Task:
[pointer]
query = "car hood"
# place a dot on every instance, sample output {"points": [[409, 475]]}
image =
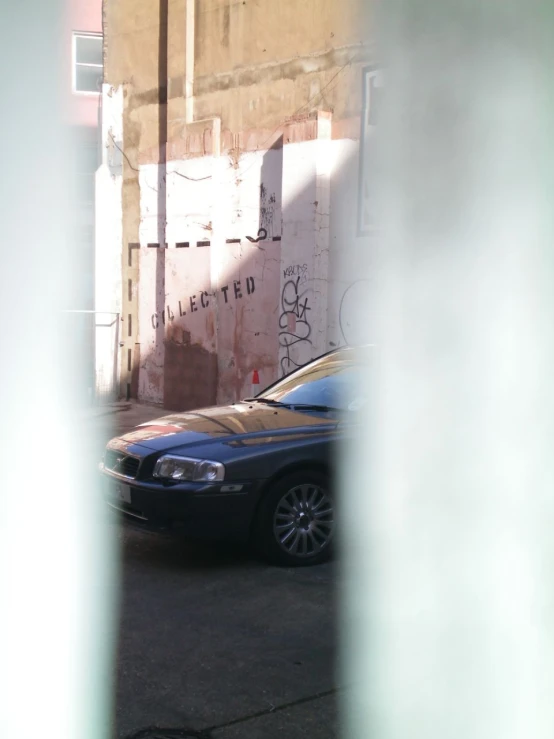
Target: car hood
{"points": [[253, 421]]}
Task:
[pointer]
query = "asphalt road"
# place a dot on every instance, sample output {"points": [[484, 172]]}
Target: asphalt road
{"points": [[215, 643]]}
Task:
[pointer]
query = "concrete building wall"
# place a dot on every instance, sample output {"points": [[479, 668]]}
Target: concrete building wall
{"points": [[230, 133]]}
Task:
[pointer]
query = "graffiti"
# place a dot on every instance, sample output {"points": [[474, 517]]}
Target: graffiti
{"points": [[296, 270], [267, 209], [351, 304], [262, 235], [201, 300], [294, 325], [268, 205]]}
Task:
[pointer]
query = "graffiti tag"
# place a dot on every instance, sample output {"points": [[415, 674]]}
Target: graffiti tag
{"points": [[296, 270], [294, 326], [268, 203], [262, 236]]}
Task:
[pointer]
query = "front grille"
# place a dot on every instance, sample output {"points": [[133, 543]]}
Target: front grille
{"points": [[121, 463]]}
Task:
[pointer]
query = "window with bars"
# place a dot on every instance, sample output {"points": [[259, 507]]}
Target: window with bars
{"points": [[87, 63]]}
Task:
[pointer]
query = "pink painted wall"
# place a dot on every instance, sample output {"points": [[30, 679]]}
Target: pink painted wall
{"points": [[215, 304], [82, 15]]}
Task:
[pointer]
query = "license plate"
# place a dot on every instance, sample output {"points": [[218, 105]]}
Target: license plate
{"points": [[121, 493]]}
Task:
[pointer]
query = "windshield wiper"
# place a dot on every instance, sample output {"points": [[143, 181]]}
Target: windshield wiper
{"points": [[267, 401], [294, 406], [313, 407]]}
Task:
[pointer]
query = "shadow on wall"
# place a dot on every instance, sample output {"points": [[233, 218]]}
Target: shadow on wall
{"points": [[271, 189], [205, 331]]}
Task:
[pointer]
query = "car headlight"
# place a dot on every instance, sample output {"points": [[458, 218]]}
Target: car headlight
{"points": [[172, 467]]}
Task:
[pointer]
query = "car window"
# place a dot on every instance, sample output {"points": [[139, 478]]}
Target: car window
{"points": [[330, 381]]}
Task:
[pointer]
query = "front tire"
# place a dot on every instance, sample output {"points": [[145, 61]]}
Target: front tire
{"points": [[295, 526]]}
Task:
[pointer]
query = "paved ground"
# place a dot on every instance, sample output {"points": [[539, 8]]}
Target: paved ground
{"points": [[214, 641]]}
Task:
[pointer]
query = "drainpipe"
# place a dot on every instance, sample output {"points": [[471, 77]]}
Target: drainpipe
{"points": [[190, 18]]}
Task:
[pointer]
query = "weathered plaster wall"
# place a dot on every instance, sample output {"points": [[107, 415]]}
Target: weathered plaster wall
{"points": [[214, 302], [255, 63], [208, 302], [229, 133]]}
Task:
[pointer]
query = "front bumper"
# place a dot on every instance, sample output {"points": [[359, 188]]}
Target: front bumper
{"points": [[205, 510]]}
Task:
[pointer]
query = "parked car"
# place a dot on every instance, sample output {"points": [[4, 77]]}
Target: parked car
{"points": [[261, 469]]}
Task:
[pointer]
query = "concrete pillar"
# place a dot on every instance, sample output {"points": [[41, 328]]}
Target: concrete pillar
{"points": [[323, 167], [305, 242], [448, 490]]}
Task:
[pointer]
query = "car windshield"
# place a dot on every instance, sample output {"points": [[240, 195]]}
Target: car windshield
{"points": [[329, 382]]}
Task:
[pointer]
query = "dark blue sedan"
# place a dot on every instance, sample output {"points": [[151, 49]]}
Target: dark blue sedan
{"points": [[258, 470]]}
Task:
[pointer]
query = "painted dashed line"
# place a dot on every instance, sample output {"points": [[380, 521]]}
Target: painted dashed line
{"points": [[131, 247], [186, 244]]}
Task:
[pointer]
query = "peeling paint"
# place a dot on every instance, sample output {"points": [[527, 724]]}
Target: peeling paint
{"points": [[221, 310]]}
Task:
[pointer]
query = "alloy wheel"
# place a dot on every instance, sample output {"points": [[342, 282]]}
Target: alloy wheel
{"points": [[303, 523]]}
